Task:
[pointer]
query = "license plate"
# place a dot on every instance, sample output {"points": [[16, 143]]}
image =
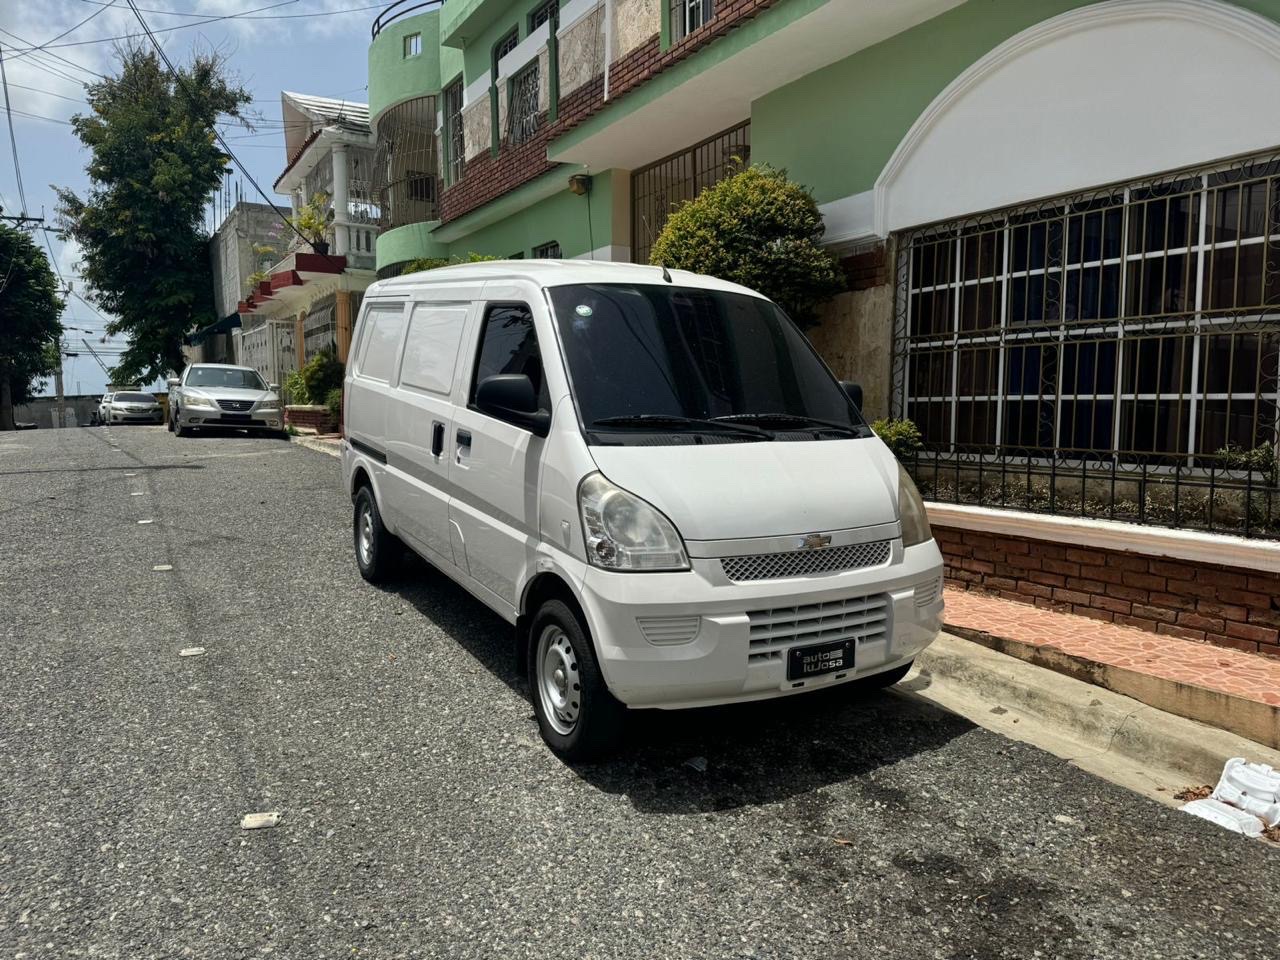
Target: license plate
{"points": [[236, 417], [806, 662]]}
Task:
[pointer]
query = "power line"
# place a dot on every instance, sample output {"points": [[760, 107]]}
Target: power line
{"points": [[72, 29], [282, 16], [220, 138], [47, 93], [13, 140], [43, 56], [32, 116]]}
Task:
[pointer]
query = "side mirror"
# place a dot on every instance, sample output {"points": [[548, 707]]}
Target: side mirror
{"points": [[511, 397], [853, 391], [273, 387], [172, 381]]}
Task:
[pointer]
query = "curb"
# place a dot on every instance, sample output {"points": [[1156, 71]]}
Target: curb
{"points": [[1250, 719], [320, 446], [1103, 731]]}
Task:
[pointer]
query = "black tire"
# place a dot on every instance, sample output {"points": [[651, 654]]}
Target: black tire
{"points": [[168, 422], [377, 563], [598, 722], [881, 681], [178, 429]]}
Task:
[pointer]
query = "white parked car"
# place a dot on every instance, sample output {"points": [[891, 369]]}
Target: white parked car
{"points": [[104, 408], [650, 474], [223, 395], [130, 407]]}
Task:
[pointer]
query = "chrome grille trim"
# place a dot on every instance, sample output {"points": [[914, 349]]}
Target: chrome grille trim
{"points": [[857, 618], [799, 563], [239, 406]]}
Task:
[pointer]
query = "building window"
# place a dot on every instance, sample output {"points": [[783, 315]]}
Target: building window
{"points": [[688, 16], [548, 12], [422, 187], [1134, 325], [455, 143], [503, 47], [659, 188], [405, 163], [522, 108], [412, 45], [547, 251]]}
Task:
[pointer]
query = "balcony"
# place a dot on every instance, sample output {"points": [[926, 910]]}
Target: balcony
{"points": [[398, 11]]}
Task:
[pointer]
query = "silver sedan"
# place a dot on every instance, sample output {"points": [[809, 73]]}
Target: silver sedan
{"points": [[131, 408], [222, 395]]}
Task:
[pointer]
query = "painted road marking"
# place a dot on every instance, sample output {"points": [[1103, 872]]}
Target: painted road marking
{"points": [[191, 652], [146, 521], [256, 821], [163, 566]]}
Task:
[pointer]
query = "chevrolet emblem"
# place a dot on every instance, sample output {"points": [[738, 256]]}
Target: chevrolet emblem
{"points": [[815, 541]]}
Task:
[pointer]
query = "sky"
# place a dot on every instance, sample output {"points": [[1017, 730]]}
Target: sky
{"points": [[307, 46]]}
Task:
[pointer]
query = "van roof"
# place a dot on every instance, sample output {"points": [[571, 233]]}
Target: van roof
{"points": [[551, 273]]}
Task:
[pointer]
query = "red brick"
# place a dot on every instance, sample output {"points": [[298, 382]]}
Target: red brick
{"points": [[1048, 579], [1227, 611], [1106, 574], [1128, 561], [1052, 605], [1173, 600], [1269, 618], [1086, 586], [1093, 613], [1245, 598], [1000, 583], [1178, 571], [1235, 643], [1064, 567], [1265, 583], [952, 584], [1144, 581], [1071, 596], [1139, 622], [977, 566], [1155, 613], [1022, 562], [1128, 593], [1222, 578], [1185, 633], [1247, 631], [1269, 649], [1016, 546], [1200, 622], [1111, 603], [1035, 589], [1094, 557]]}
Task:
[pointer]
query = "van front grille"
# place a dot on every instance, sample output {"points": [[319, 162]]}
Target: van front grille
{"points": [[857, 618], [799, 563]]}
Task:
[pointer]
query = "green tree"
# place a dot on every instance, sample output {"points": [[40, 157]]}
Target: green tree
{"points": [[153, 163], [29, 327], [761, 230]]}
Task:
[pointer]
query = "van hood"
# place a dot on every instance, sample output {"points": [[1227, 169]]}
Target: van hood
{"points": [[729, 491]]}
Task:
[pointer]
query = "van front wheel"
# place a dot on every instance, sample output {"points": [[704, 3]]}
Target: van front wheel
{"points": [[578, 717]]}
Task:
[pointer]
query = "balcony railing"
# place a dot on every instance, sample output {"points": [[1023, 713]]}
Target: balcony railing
{"points": [[398, 11]]}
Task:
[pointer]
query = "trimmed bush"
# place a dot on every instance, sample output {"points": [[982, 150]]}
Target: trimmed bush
{"points": [[761, 230], [295, 388], [333, 400], [900, 436], [322, 373]]}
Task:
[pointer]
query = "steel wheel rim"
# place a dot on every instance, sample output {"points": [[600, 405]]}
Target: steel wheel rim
{"points": [[365, 535], [558, 679]]}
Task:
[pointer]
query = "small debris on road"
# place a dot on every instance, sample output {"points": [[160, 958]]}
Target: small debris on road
{"points": [[191, 652], [697, 763], [1193, 793], [841, 842], [163, 566], [1069, 821], [259, 821], [999, 711]]}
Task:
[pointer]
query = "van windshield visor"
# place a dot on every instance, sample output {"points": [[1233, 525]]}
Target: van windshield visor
{"points": [[657, 358], [224, 377]]}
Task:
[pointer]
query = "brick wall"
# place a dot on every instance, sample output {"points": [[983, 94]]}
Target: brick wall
{"points": [[489, 176], [1226, 606], [867, 268], [310, 417]]}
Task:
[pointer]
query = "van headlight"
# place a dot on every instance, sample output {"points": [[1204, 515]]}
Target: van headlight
{"points": [[625, 533], [915, 522]]}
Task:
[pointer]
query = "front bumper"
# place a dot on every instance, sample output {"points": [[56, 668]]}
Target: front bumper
{"points": [[256, 420], [156, 416], [695, 638]]}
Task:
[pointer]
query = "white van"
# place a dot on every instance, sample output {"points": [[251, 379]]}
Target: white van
{"points": [[649, 473]]}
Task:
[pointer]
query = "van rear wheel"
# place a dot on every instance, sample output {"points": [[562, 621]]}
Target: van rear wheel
{"points": [[376, 547], [579, 718]]}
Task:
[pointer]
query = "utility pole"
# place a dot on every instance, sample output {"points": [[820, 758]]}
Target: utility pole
{"points": [[57, 382]]}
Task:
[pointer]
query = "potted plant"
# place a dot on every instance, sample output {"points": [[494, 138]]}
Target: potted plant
{"points": [[312, 222]]}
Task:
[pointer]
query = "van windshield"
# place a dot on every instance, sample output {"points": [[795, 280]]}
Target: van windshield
{"points": [[694, 363]]}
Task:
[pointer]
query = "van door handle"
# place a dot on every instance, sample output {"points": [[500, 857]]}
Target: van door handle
{"points": [[464, 439], [437, 438]]}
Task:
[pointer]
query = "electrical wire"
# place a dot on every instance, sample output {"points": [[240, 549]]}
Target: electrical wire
{"points": [[43, 56], [100, 10], [33, 116], [283, 16], [48, 93], [13, 140], [217, 135]]}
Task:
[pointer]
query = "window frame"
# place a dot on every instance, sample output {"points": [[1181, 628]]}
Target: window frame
{"points": [[542, 251], [487, 307], [411, 40], [454, 166], [552, 10]]}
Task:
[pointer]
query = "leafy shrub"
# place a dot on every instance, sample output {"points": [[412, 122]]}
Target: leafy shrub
{"points": [[432, 263], [761, 230], [322, 373], [900, 436], [1261, 459], [295, 388], [333, 400]]}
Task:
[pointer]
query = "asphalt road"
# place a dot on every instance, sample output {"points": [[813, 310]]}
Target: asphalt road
{"points": [[421, 815]]}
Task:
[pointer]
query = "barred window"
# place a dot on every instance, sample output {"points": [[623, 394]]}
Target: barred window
{"points": [[522, 108], [455, 144], [1140, 320], [688, 16], [548, 12], [503, 47], [658, 189], [547, 251]]}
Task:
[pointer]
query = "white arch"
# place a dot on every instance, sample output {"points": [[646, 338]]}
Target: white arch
{"points": [[1112, 91]]}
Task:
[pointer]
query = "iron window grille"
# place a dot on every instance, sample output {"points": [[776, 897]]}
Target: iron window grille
{"points": [[455, 142], [687, 16], [405, 164], [547, 251], [548, 12], [503, 47], [656, 190], [1114, 353], [522, 106]]}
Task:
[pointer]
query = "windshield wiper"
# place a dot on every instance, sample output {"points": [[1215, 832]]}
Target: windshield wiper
{"points": [[793, 419], [692, 424]]}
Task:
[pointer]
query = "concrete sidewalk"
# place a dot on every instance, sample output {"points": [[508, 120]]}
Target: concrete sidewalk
{"points": [[1224, 688]]}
